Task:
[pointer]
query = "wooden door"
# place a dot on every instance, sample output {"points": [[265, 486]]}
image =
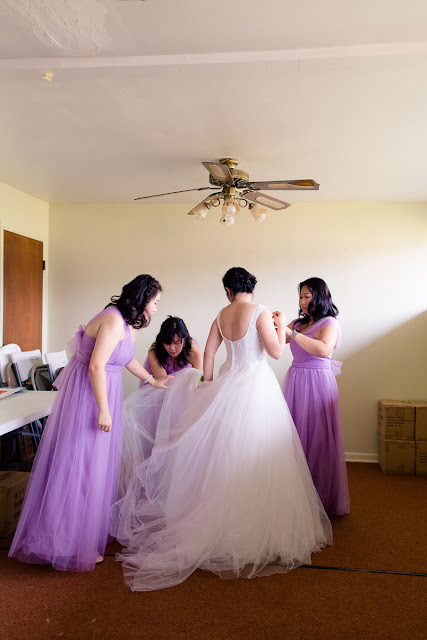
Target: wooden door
{"points": [[23, 291]]}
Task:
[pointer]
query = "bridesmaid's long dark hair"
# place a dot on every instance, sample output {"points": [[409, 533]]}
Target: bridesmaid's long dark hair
{"points": [[134, 298], [321, 304], [170, 328]]}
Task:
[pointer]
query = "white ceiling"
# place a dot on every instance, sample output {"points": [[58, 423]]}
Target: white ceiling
{"points": [[143, 91]]}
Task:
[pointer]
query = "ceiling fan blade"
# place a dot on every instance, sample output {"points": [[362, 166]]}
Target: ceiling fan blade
{"points": [[170, 193], [287, 185], [219, 171], [265, 201]]}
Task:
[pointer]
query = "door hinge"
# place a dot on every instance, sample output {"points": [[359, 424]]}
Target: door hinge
{"points": [[44, 265]]}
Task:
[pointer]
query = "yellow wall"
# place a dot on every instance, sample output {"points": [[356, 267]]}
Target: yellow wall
{"points": [[372, 255], [27, 216]]}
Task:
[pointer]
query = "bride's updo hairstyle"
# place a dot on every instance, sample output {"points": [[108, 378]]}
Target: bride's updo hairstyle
{"points": [[321, 304], [134, 298], [238, 280]]}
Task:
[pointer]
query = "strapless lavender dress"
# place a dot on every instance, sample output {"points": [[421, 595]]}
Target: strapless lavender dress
{"points": [[311, 392], [65, 516]]}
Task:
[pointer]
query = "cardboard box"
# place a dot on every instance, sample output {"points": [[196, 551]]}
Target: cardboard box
{"points": [[420, 420], [421, 458], [396, 456], [12, 490], [396, 420]]}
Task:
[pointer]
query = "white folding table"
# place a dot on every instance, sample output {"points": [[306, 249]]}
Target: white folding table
{"points": [[24, 407]]}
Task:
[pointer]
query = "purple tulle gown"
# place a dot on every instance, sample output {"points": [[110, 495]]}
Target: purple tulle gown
{"points": [[311, 392], [65, 516]]}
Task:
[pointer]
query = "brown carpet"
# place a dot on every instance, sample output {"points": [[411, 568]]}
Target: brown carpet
{"points": [[384, 532]]}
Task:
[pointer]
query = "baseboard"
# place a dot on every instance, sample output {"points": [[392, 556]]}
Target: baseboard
{"points": [[350, 456]]}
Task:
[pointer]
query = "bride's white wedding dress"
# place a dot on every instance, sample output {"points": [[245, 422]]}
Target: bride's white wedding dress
{"points": [[227, 488]]}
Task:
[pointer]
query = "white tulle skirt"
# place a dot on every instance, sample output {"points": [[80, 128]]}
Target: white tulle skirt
{"points": [[214, 477]]}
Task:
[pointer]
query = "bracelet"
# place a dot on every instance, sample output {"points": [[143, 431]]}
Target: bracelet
{"points": [[148, 378], [294, 335]]}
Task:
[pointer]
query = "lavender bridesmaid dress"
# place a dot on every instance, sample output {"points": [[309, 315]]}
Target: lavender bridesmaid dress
{"points": [[65, 516], [311, 392]]}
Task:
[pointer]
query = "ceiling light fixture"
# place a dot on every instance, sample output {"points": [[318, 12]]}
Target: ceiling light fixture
{"points": [[200, 212], [237, 190], [258, 213]]}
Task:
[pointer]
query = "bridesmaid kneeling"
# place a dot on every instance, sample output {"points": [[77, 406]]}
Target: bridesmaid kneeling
{"points": [[311, 392], [65, 516], [172, 351]]}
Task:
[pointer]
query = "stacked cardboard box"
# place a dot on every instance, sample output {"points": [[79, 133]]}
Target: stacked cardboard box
{"points": [[402, 437], [12, 490]]}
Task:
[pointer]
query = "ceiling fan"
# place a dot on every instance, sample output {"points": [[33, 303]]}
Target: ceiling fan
{"points": [[236, 191]]}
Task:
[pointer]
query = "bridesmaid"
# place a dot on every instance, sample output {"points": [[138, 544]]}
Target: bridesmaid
{"points": [[65, 517], [172, 351], [311, 392]]}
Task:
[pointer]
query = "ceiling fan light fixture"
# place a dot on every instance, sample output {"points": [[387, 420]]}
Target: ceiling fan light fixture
{"points": [[230, 207], [227, 220], [258, 213], [201, 211]]}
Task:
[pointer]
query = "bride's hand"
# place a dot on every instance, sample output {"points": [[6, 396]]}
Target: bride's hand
{"points": [[279, 319], [160, 382]]}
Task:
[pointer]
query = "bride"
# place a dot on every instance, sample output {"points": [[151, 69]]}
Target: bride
{"points": [[226, 488]]}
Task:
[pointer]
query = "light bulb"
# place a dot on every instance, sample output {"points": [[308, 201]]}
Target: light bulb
{"points": [[230, 208], [227, 220]]}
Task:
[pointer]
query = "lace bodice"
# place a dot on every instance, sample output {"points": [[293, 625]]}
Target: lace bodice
{"points": [[248, 350]]}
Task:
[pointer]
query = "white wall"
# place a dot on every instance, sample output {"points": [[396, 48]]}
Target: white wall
{"points": [[372, 255], [27, 216]]}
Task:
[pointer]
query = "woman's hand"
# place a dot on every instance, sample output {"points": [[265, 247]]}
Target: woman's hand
{"points": [[279, 319], [104, 420], [160, 383]]}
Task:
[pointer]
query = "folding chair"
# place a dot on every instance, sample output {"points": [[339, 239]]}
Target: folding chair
{"points": [[23, 363], [57, 361], [5, 352], [42, 378]]}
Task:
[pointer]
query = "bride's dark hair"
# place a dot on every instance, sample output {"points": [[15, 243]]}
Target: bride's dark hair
{"points": [[170, 328], [321, 304], [238, 280], [134, 298]]}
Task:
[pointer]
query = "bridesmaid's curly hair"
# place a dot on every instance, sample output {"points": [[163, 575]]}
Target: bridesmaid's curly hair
{"points": [[134, 298], [170, 328], [321, 304], [238, 280]]}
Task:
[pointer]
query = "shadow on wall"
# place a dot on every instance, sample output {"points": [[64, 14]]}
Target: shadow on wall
{"points": [[393, 368]]}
